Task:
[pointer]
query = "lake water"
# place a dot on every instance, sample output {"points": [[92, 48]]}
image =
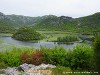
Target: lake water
{"points": [[36, 44]]}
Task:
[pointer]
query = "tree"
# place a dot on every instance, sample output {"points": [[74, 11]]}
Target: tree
{"points": [[27, 34], [96, 45]]}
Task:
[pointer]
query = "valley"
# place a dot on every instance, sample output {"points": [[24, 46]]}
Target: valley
{"points": [[63, 41]]}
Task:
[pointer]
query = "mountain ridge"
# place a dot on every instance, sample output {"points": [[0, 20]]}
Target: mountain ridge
{"points": [[85, 24]]}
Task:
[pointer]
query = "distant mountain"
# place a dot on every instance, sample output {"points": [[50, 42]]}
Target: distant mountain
{"points": [[85, 24], [51, 22], [89, 23], [6, 25], [22, 20]]}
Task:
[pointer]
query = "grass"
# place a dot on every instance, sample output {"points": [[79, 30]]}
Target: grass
{"points": [[1, 41], [60, 70], [8, 46], [5, 34], [52, 36]]}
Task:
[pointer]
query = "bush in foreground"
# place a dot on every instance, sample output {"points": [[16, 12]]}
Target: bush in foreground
{"points": [[12, 57], [35, 58], [83, 58], [96, 45], [80, 57]]}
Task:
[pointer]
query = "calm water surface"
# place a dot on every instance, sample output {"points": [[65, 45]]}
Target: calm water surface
{"points": [[36, 44]]}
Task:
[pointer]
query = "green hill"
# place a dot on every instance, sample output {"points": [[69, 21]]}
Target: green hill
{"points": [[6, 25], [87, 24], [51, 22], [84, 24], [23, 20]]}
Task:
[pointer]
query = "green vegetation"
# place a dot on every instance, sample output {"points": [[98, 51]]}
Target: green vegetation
{"points": [[6, 25], [1, 41], [59, 70], [22, 20], [87, 25], [27, 34], [12, 57], [5, 34], [56, 29], [81, 57], [68, 38], [52, 36], [96, 45]]}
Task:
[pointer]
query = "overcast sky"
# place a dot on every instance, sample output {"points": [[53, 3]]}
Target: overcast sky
{"points": [[72, 8]]}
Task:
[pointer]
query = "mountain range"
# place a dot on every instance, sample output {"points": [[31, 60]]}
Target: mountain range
{"points": [[86, 24]]}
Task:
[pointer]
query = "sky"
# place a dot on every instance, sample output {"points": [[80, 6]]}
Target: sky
{"points": [[72, 8]]}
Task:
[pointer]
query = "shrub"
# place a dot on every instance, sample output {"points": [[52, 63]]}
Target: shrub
{"points": [[82, 57], [35, 58], [3, 65], [96, 45], [25, 57], [27, 34], [68, 38], [12, 57], [54, 56]]}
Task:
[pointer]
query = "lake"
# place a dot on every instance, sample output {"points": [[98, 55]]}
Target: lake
{"points": [[10, 40]]}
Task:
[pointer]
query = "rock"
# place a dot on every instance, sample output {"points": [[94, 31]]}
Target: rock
{"points": [[32, 74], [29, 69], [11, 71], [2, 70], [51, 66], [41, 72], [24, 67], [44, 66]]}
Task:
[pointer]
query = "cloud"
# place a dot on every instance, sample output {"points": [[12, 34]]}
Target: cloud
{"points": [[74, 8]]}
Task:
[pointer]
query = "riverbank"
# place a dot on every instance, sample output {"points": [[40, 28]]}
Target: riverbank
{"points": [[6, 34]]}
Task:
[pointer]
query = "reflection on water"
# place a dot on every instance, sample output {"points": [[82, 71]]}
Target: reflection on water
{"points": [[37, 44]]}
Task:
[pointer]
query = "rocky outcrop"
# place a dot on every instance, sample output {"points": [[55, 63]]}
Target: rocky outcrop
{"points": [[2, 16], [29, 69]]}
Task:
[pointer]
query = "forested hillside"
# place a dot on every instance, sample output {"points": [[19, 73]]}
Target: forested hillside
{"points": [[85, 24], [52, 22], [23, 20], [89, 23], [6, 25]]}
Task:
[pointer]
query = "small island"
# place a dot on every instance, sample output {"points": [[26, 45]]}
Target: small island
{"points": [[27, 34]]}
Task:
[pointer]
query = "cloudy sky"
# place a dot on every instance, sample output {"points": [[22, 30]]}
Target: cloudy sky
{"points": [[73, 8]]}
